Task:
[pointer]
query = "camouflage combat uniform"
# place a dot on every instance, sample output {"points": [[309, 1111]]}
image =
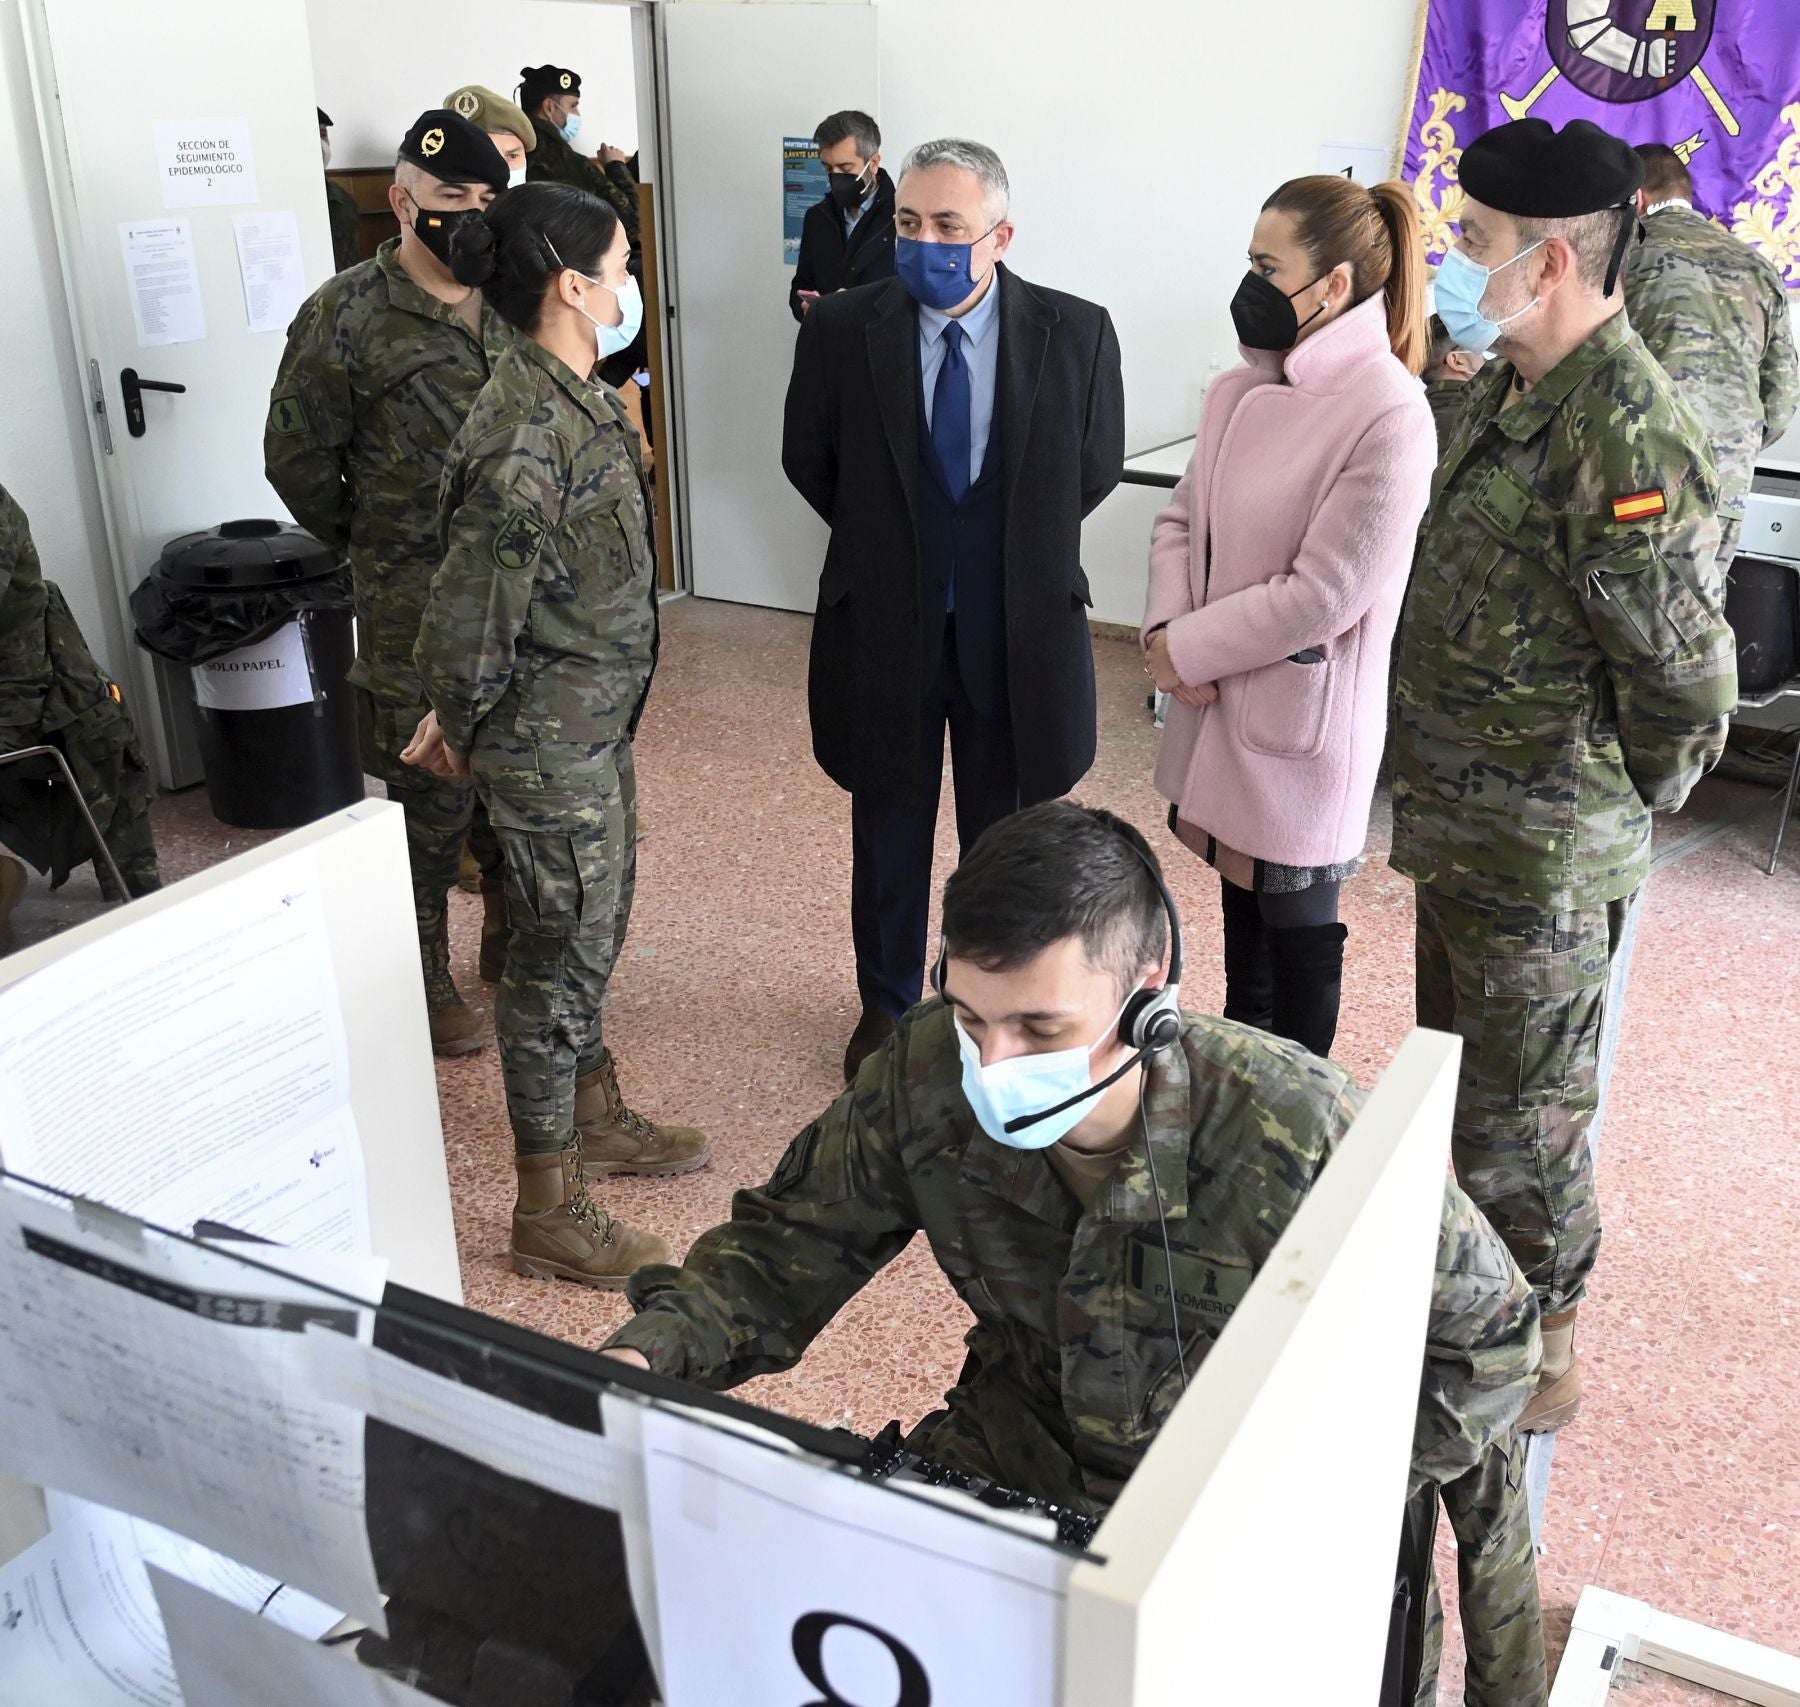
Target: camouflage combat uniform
{"points": [[553, 161], [1446, 397], [346, 226], [536, 651], [1714, 313], [1565, 671], [52, 692], [375, 381], [1071, 1365]]}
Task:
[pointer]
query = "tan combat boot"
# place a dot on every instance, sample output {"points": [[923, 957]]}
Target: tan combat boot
{"points": [[560, 1233], [468, 871], [14, 880], [456, 1028], [615, 1140], [1558, 1395], [495, 936]]}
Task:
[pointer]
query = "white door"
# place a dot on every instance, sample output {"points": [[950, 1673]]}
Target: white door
{"points": [[734, 81], [140, 106]]}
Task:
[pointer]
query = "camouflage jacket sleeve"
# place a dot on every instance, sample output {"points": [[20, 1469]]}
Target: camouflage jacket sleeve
{"points": [[620, 188], [1780, 372], [1482, 1347], [311, 416], [1653, 600], [754, 1293], [500, 497]]}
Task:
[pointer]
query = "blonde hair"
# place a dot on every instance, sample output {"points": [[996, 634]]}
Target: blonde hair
{"points": [[1377, 233]]}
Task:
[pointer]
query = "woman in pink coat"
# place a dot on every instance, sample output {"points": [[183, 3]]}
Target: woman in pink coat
{"points": [[1276, 575]]}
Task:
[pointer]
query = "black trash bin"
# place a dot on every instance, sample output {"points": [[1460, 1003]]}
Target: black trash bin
{"points": [[260, 613], [1761, 606]]}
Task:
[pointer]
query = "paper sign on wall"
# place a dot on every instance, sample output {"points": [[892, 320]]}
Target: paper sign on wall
{"points": [[164, 280], [272, 673], [268, 247], [204, 161], [803, 182], [1363, 162]]}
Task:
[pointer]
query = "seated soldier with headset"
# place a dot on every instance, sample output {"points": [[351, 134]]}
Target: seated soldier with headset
{"points": [[1092, 1167]]}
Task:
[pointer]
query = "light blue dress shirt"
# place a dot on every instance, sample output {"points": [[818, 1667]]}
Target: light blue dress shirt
{"points": [[981, 350]]}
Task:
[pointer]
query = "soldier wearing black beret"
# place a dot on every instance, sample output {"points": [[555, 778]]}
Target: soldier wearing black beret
{"points": [[340, 205], [551, 97], [382, 363], [1565, 670]]}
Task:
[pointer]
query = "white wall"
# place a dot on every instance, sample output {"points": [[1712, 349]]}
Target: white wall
{"points": [[45, 461], [1141, 138], [379, 65]]}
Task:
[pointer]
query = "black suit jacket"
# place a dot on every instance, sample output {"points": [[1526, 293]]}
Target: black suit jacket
{"points": [[850, 446], [828, 263]]}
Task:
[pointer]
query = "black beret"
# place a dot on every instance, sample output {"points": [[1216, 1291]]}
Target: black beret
{"points": [[537, 81], [324, 119], [1534, 172], [453, 151]]}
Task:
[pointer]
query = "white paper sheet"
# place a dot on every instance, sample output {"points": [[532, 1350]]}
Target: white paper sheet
{"points": [[171, 1382], [504, 1436], [274, 672], [164, 281], [194, 1066], [205, 161], [788, 1565], [268, 249], [227, 1658], [87, 1631]]}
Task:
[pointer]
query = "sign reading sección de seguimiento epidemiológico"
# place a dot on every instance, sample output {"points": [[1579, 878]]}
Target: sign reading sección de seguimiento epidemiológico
{"points": [[205, 161]]}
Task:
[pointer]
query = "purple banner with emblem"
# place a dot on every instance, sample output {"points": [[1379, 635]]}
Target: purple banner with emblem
{"points": [[1717, 80]]}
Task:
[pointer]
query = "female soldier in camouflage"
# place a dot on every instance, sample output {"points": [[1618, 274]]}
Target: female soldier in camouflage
{"points": [[536, 653]]}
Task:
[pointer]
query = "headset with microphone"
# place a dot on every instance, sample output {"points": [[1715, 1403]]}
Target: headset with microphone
{"points": [[1149, 1024], [1151, 1020]]}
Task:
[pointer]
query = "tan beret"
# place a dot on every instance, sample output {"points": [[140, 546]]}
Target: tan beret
{"points": [[489, 111]]}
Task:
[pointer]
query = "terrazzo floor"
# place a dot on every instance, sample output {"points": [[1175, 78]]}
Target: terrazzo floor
{"points": [[1679, 1483]]}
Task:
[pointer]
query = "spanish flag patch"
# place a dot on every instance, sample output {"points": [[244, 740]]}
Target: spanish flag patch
{"points": [[1640, 505]]}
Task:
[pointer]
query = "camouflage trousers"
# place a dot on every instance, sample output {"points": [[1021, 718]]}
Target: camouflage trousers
{"points": [[439, 812], [1497, 1585], [1526, 992], [565, 818]]}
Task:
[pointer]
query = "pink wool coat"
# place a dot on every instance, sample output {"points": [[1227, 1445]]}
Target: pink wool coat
{"points": [[1310, 473]]}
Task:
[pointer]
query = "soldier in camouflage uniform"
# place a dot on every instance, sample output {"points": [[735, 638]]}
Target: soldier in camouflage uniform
{"points": [[1051, 921], [382, 364], [536, 653], [340, 205], [551, 97], [53, 693], [1565, 671], [1448, 371], [1714, 313]]}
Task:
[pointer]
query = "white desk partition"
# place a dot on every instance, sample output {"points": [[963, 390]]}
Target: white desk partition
{"points": [[360, 855], [1251, 1558]]}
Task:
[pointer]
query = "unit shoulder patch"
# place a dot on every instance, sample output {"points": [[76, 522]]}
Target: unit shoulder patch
{"points": [[517, 543], [287, 416]]}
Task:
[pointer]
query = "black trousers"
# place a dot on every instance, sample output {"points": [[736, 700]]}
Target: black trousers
{"points": [[892, 839]]}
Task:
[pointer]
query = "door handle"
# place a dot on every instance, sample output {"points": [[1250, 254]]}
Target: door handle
{"points": [[133, 389]]}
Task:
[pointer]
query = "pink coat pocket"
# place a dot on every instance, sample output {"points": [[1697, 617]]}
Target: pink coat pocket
{"points": [[1285, 708]]}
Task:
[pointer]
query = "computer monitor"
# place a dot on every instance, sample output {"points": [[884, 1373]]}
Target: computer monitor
{"points": [[503, 1594]]}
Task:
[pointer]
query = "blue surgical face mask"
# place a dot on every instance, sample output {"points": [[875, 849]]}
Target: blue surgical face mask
{"points": [[631, 303], [570, 128], [1023, 1084], [939, 275], [1461, 285]]}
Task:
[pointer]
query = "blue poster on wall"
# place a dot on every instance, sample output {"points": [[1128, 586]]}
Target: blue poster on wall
{"points": [[802, 184]]}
